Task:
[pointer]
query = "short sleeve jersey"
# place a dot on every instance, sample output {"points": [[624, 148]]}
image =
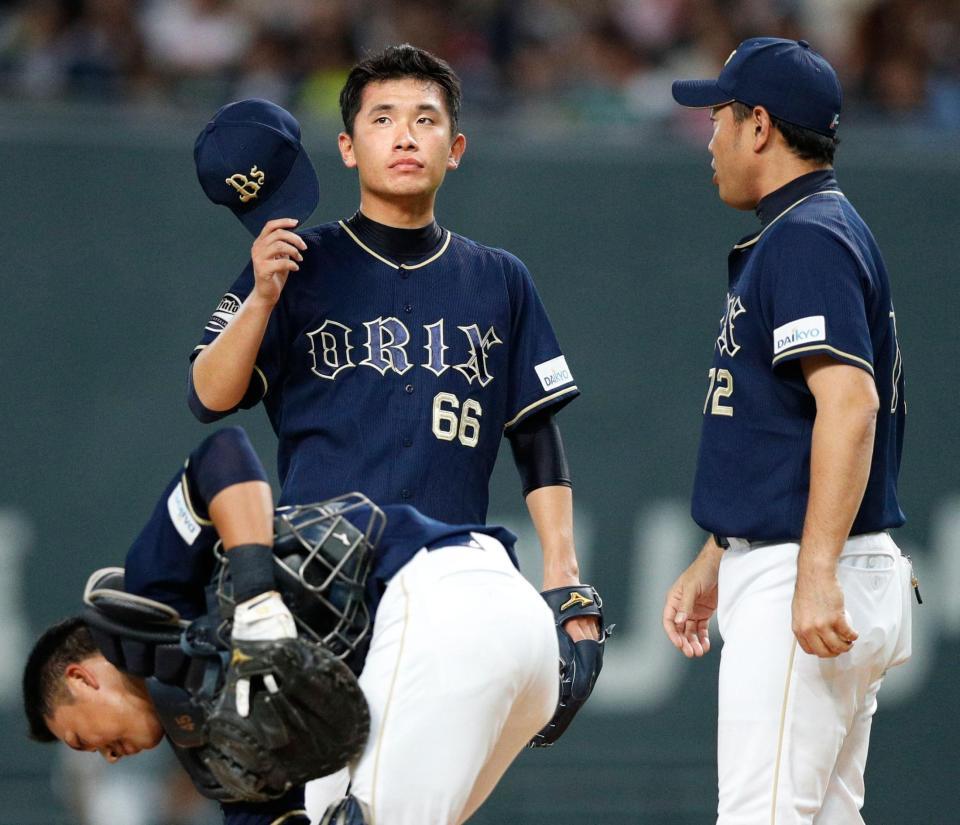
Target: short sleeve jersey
{"points": [[812, 281], [400, 379]]}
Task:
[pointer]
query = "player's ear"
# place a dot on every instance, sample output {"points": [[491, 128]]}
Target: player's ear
{"points": [[79, 675], [345, 143], [457, 148]]}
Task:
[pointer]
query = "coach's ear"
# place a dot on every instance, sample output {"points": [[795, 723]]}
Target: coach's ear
{"points": [[762, 127], [345, 143], [457, 148]]}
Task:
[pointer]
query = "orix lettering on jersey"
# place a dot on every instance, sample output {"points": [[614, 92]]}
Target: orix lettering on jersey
{"points": [[389, 346], [726, 343]]}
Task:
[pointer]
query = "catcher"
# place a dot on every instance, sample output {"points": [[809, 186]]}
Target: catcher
{"points": [[236, 632]]}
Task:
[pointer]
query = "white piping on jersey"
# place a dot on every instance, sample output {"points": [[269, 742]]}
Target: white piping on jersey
{"points": [[759, 235], [391, 264], [288, 815], [186, 496], [828, 348], [783, 719], [538, 403], [263, 378]]}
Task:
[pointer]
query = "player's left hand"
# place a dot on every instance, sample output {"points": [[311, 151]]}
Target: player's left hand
{"points": [[580, 660], [820, 623], [578, 628]]}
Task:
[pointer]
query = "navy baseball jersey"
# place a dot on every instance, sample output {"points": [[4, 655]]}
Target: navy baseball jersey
{"points": [[172, 558], [811, 282], [399, 379]]}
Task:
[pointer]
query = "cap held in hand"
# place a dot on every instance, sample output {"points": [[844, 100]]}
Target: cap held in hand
{"points": [[249, 158], [788, 78]]}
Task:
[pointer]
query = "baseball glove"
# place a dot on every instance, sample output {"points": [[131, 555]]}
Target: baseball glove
{"points": [[580, 662], [288, 712]]}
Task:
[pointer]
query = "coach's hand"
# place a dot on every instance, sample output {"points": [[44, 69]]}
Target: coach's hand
{"points": [[691, 601], [820, 623], [276, 253]]}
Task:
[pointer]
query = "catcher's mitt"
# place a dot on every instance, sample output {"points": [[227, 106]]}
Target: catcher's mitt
{"points": [[301, 715], [580, 662]]}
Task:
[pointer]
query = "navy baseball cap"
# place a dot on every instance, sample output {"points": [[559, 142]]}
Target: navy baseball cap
{"points": [[250, 159], [788, 78]]}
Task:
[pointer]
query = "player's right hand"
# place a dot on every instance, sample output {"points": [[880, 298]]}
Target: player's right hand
{"points": [[690, 602], [276, 253]]}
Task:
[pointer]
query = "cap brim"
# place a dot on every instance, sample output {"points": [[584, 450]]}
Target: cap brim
{"points": [[699, 94], [297, 197]]}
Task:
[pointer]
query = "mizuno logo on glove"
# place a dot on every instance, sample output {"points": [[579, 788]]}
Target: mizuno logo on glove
{"points": [[574, 600]]}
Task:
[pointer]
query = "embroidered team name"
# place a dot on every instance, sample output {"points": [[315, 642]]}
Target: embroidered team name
{"points": [[247, 187], [388, 347], [801, 331], [726, 343], [554, 373]]}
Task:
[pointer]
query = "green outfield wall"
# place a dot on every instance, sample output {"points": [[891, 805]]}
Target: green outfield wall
{"points": [[112, 260]]}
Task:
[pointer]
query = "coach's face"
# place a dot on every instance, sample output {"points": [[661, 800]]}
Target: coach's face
{"points": [[402, 142], [733, 159], [106, 712]]}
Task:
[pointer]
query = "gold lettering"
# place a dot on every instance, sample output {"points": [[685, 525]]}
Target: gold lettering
{"points": [[247, 188]]}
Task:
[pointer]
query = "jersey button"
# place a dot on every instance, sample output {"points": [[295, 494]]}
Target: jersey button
{"points": [[408, 389], [404, 274], [404, 493], [408, 308], [408, 442]]}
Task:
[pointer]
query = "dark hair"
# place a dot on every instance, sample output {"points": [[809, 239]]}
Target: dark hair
{"points": [[44, 688], [804, 143], [397, 62]]}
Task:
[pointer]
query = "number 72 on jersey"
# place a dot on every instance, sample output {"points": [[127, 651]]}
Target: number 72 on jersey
{"points": [[721, 388]]}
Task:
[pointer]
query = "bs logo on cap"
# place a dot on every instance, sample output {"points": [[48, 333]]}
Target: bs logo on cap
{"points": [[250, 159]]}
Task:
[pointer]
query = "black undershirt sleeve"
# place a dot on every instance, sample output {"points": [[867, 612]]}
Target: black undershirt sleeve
{"points": [[538, 453]]}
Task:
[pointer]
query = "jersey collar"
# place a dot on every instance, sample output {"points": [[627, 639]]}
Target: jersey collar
{"points": [[775, 205], [397, 248], [772, 205]]}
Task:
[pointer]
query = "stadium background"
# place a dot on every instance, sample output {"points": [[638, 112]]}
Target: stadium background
{"points": [[578, 162]]}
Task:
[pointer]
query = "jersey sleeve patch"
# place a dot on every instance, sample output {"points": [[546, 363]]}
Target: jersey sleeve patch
{"points": [[554, 373], [802, 331], [228, 307], [181, 517]]}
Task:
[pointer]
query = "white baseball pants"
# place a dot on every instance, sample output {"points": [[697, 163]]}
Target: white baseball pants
{"points": [[462, 672], [793, 729]]}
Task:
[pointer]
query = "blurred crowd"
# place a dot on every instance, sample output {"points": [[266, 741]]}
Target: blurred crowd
{"points": [[579, 61]]}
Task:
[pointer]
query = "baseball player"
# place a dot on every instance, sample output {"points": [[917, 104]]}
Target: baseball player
{"points": [[800, 450], [461, 660], [390, 353]]}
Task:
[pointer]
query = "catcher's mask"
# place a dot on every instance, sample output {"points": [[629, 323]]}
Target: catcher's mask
{"points": [[322, 560]]}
